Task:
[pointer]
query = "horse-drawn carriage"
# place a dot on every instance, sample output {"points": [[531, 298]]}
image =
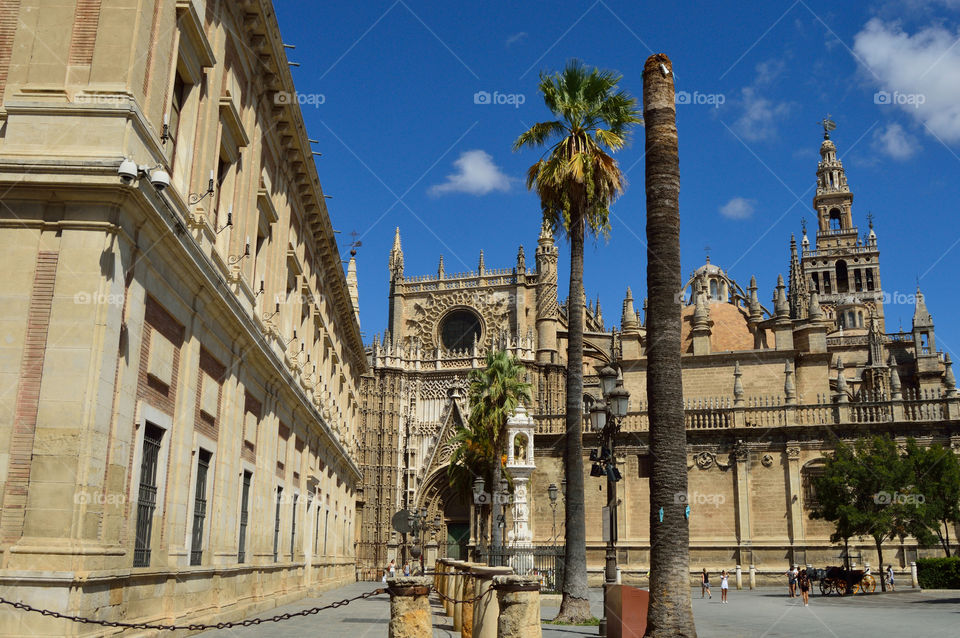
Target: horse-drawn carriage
{"points": [[837, 580]]}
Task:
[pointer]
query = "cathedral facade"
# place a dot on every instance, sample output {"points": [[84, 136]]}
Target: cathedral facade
{"points": [[768, 390]]}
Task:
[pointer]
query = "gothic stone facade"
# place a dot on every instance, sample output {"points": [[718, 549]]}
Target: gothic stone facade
{"points": [[178, 426], [767, 392]]}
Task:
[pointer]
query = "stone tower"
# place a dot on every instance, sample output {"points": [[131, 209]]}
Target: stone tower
{"points": [[547, 309], [395, 266], [842, 269]]}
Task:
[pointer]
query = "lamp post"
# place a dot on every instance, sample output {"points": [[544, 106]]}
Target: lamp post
{"points": [[552, 493], [605, 419]]}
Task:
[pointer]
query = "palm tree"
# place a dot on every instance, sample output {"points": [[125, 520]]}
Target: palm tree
{"points": [[576, 181], [669, 613], [494, 393]]}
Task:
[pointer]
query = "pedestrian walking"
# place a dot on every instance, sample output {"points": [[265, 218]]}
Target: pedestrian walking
{"points": [[803, 581], [724, 586], [406, 568], [392, 568], [705, 583], [890, 578], [792, 580]]}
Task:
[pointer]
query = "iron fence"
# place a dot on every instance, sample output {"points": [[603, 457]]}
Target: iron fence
{"points": [[542, 561]]}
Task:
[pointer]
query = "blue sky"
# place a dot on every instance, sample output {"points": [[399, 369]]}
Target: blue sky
{"points": [[389, 90]]}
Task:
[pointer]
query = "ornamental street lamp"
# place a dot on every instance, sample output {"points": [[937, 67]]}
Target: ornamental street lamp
{"points": [[605, 419]]}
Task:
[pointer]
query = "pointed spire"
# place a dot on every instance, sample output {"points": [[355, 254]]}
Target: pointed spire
{"points": [[781, 307], [797, 294], [755, 311], [701, 312], [815, 312], [921, 316], [895, 391], [841, 396], [396, 257], [352, 287], [546, 234], [599, 313], [440, 271], [480, 267], [628, 319], [737, 386], [948, 378], [789, 386]]}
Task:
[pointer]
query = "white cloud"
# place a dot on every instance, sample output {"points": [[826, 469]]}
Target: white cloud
{"points": [[516, 37], [738, 208], [476, 175], [918, 73], [895, 142], [760, 117]]}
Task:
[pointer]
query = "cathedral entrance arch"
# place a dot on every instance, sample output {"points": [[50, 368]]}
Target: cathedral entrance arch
{"points": [[438, 497]]}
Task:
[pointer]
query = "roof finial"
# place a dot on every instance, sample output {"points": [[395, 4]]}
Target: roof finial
{"points": [[828, 125]]}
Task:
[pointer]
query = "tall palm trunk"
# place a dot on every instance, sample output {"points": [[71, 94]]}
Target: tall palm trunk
{"points": [[575, 606], [670, 612]]}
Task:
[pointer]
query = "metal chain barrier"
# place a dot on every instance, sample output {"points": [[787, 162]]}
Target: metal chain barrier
{"points": [[455, 601], [195, 626]]}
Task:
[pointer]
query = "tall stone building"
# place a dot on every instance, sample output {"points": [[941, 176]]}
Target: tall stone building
{"points": [[181, 354], [768, 390]]}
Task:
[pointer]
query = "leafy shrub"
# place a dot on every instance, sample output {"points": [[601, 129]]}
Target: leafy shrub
{"points": [[939, 573]]}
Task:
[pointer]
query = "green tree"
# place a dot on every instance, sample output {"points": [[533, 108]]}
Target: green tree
{"points": [[935, 474], [494, 392], [868, 491], [576, 181], [670, 612]]}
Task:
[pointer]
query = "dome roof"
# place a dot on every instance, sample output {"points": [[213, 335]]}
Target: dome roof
{"points": [[729, 329], [828, 145]]}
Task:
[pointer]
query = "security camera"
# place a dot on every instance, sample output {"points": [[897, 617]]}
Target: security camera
{"points": [[160, 179], [128, 171]]}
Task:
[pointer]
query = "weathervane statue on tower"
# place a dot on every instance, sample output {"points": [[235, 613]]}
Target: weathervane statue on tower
{"points": [[828, 125]]}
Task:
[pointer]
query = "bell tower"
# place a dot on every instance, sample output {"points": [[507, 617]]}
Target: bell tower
{"points": [[843, 268]]}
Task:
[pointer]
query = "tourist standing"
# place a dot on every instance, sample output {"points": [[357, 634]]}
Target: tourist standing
{"points": [[724, 586], [890, 578], [406, 568], [705, 583]]}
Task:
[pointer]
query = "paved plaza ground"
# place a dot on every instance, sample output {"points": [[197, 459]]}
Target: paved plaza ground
{"points": [[766, 613]]}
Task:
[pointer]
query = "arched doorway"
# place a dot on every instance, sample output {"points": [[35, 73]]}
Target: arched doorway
{"points": [[438, 497]]}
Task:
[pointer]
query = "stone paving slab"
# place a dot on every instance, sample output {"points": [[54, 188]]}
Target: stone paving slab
{"points": [[766, 613]]}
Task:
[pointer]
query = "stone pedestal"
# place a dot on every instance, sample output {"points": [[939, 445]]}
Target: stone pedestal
{"points": [[519, 601], [914, 580], [626, 611], [486, 610], [739, 574], [753, 577], [409, 607], [430, 556]]}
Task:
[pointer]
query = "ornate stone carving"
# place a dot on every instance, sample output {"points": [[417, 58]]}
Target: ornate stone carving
{"points": [[767, 460], [740, 451], [793, 452], [704, 460], [427, 313]]}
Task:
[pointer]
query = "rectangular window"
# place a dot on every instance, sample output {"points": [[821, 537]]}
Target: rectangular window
{"points": [[199, 507], [316, 528], [293, 526], [326, 522], [276, 527], [244, 517], [177, 101], [147, 500]]}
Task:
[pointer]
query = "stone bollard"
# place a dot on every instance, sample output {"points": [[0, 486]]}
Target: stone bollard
{"points": [[466, 611], [739, 573], [410, 607], [450, 578], [753, 577], [486, 609], [914, 579], [519, 601], [458, 595]]}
